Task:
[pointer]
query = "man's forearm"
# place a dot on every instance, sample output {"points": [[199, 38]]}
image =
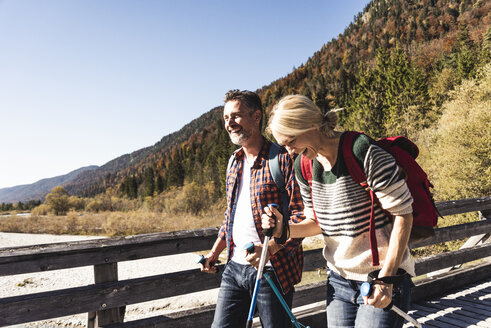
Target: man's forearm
{"points": [[217, 248]]}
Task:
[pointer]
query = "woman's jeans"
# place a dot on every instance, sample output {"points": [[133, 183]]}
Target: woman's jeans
{"points": [[235, 294], [345, 306]]}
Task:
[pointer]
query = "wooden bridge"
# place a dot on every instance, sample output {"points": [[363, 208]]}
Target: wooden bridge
{"points": [[449, 298]]}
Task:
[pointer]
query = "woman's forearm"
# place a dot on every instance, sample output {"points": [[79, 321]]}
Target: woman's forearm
{"points": [[397, 244], [306, 228]]}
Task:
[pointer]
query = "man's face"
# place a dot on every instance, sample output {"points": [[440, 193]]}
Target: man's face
{"points": [[240, 123]]}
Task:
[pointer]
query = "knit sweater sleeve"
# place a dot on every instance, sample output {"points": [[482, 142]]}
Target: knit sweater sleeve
{"points": [[383, 176]]}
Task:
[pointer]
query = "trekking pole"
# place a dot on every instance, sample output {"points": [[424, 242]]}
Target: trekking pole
{"points": [[366, 290], [282, 301], [267, 235]]}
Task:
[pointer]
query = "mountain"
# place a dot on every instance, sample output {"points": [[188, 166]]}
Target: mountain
{"points": [[93, 182], [40, 189], [433, 37]]}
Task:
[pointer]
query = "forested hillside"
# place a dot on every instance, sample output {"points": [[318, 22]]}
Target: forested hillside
{"points": [[393, 70]]}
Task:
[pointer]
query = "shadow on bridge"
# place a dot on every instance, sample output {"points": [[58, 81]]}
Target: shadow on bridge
{"points": [[468, 307]]}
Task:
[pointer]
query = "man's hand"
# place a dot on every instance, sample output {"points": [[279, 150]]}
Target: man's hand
{"points": [[268, 221], [381, 295], [209, 265], [255, 257]]}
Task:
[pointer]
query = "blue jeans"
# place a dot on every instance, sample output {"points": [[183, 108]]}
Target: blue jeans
{"points": [[235, 294], [345, 306]]}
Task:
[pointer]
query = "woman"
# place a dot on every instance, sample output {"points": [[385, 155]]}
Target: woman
{"points": [[339, 208]]}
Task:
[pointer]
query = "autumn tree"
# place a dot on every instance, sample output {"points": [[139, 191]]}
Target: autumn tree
{"points": [[58, 200]]}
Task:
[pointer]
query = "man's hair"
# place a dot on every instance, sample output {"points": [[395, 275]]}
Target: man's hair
{"points": [[248, 98]]}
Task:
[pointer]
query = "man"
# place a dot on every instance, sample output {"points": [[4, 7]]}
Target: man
{"points": [[250, 188]]}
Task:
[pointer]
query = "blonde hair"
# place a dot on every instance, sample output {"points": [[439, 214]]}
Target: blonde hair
{"points": [[296, 114]]}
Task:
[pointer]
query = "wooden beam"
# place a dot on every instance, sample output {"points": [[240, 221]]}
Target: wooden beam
{"points": [[464, 205], [101, 251], [449, 259], [438, 285], [313, 260], [199, 317], [53, 304], [459, 231]]}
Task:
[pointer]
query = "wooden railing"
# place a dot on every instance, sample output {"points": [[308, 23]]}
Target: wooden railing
{"points": [[105, 300]]}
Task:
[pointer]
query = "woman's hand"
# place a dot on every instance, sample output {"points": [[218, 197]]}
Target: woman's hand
{"points": [[381, 295], [268, 221]]}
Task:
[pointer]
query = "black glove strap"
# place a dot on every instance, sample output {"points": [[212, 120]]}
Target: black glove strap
{"points": [[389, 279], [284, 235]]}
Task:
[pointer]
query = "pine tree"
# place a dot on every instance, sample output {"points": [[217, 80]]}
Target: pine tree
{"points": [[175, 171], [486, 48], [467, 58], [148, 182], [388, 98], [160, 184]]}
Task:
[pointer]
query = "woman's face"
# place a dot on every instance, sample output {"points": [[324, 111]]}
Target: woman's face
{"points": [[302, 144]]}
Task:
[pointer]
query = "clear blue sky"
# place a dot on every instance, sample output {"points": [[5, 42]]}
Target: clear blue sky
{"points": [[83, 81]]}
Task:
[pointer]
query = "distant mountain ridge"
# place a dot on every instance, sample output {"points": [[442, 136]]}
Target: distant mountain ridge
{"points": [[39, 189]]}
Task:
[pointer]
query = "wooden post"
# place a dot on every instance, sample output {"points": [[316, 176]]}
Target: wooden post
{"points": [[104, 273]]}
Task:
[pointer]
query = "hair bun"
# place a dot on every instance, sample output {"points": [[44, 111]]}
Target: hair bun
{"points": [[329, 120]]}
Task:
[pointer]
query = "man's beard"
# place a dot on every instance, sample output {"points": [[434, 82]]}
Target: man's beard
{"points": [[239, 138]]}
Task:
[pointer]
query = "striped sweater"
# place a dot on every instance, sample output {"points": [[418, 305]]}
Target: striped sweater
{"points": [[343, 208]]}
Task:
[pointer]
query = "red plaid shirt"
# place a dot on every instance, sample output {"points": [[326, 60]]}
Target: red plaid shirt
{"points": [[287, 262]]}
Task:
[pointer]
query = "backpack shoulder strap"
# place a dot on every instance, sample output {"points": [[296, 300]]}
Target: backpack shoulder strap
{"points": [[278, 178], [306, 165], [274, 167], [230, 162], [307, 168], [359, 176]]}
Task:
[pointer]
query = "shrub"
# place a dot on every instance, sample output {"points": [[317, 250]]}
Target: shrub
{"points": [[94, 205], [58, 201], [42, 209], [456, 152]]}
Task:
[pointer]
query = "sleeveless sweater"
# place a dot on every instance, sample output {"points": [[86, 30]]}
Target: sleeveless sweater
{"points": [[343, 207]]}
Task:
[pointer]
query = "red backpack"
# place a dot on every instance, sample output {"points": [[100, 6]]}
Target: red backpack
{"points": [[404, 151]]}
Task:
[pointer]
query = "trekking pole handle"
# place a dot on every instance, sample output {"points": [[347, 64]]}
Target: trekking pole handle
{"points": [[269, 232], [249, 248], [366, 290], [200, 259]]}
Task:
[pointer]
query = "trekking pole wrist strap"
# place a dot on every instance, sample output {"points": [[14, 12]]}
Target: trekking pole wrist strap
{"points": [[373, 277], [284, 235]]}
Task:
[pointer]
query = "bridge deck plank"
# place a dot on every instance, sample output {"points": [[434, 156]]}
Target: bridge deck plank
{"points": [[467, 307]]}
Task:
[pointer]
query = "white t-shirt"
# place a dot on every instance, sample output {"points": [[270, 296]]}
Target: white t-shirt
{"points": [[244, 229]]}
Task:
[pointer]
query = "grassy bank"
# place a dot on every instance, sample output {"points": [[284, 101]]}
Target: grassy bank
{"points": [[110, 223]]}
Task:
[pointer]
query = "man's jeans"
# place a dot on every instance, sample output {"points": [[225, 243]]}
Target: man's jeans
{"points": [[235, 294], [345, 306]]}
